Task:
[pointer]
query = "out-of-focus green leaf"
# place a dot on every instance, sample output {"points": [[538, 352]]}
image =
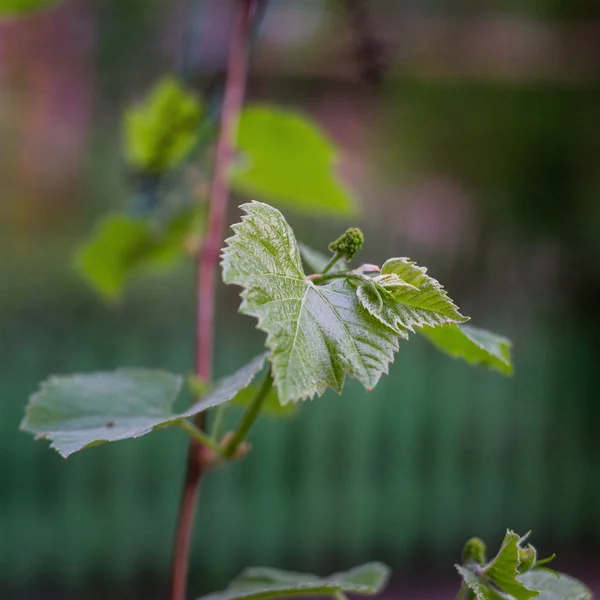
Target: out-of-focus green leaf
{"points": [[123, 246], [113, 251], [476, 346], [554, 586], [83, 410], [271, 406], [317, 261], [15, 8], [287, 159], [263, 582], [161, 130]]}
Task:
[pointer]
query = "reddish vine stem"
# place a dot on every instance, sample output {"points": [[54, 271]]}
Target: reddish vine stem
{"points": [[208, 262]]}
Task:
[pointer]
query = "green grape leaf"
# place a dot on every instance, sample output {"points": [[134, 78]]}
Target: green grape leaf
{"points": [[160, 131], [271, 406], [476, 346], [482, 589], [316, 334], [263, 582], [503, 569], [499, 577], [15, 8], [123, 246], [554, 586], [403, 297], [317, 261], [83, 410], [287, 159]]}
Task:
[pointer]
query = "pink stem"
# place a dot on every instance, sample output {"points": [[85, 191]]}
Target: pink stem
{"points": [[208, 262]]}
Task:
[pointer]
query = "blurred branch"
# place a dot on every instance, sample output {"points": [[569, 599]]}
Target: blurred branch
{"points": [[495, 48], [208, 261], [369, 51]]}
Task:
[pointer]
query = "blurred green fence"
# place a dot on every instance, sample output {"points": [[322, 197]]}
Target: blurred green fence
{"points": [[437, 453]]}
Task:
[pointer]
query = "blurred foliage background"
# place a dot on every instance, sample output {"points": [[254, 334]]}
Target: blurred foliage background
{"points": [[477, 155]]}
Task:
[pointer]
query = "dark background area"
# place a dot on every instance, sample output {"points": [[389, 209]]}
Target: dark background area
{"points": [[476, 155]]}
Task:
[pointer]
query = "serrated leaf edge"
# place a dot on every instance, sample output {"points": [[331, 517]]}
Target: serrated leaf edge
{"points": [[319, 585], [315, 390]]}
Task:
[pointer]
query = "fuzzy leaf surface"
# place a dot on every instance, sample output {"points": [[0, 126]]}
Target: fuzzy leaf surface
{"points": [[83, 410], [476, 346], [403, 297], [123, 246], [288, 159], [316, 334], [162, 129], [263, 582], [478, 584], [500, 576], [555, 586], [503, 570]]}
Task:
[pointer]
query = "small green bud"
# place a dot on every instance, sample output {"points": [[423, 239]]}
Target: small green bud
{"points": [[197, 386], [349, 243], [474, 551], [527, 558]]}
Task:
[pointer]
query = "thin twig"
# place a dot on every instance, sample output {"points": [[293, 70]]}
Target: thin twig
{"points": [[218, 421], [199, 435], [251, 414], [208, 261], [369, 50], [334, 259], [209, 255]]}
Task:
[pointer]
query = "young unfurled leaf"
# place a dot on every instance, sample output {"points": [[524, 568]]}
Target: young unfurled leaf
{"points": [[263, 582], [14, 8], [123, 246], [288, 159], [316, 334], [78, 411], [554, 586], [476, 583], [504, 568], [512, 574], [476, 346], [161, 130], [403, 297]]}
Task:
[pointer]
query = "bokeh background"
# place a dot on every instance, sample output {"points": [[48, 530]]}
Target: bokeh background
{"points": [[477, 155]]}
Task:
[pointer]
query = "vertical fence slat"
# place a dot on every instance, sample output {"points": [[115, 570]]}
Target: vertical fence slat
{"points": [[446, 500], [405, 411]]}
